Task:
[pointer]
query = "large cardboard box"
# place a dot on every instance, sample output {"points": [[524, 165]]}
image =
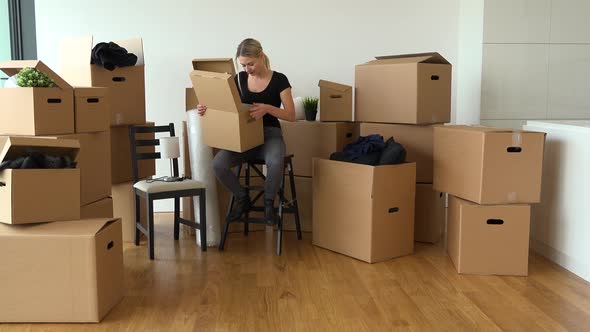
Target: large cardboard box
{"points": [[417, 140], [36, 111], [98, 209], [335, 101], [366, 212], [38, 195], [304, 192], [121, 165], [92, 110], [488, 239], [94, 162], [488, 165], [311, 139], [409, 88], [227, 123], [124, 208], [70, 271], [126, 84], [429, 223]]}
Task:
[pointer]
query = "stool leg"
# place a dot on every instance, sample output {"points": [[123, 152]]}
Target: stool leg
{"points": [[203, 220], [229, 208], [176, 217], [280, 214], [150, 225], [294, 198], [247, 215]]}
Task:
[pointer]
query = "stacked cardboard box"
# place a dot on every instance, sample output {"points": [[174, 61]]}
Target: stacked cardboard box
{"points": [[52, 225], [492, 176], [126, 107]]}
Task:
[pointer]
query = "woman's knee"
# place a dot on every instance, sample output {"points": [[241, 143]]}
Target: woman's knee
{"points": [[220, 164]]}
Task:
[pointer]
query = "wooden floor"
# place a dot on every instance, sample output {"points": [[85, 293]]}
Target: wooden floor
{"points": [[248, 288]]}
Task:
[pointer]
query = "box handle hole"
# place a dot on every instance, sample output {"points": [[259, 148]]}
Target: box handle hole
{"points": [[92, 100], [348, 135], [393, 210], [119, 79], [495, 221], [110, 245], [434, 78], [54, 100], [2, 184], [514, 149], [335, 96]]}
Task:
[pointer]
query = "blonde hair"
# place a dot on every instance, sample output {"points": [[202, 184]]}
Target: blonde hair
{"points": [[252, 48]]}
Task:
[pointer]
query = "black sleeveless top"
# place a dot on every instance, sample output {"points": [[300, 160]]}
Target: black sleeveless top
{"points": [[271, 95]]}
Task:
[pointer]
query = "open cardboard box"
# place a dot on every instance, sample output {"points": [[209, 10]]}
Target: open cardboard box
{"points": [[126, 84], [54, 193], [36, 111], [227, 123], [335, 101]]}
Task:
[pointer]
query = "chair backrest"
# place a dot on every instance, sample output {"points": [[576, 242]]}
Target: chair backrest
{"points": [[137, 144]]}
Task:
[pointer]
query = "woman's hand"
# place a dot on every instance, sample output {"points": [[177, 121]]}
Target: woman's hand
{"points": [[201, 109], [257, 111]]}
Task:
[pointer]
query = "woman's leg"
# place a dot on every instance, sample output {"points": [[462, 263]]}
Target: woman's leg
{"points": [[223, 162], [274, 158]]}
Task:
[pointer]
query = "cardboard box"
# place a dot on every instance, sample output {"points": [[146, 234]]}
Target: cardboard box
{"points": [[121, 164], [94, 162], [488, 165], [409, 88], [92, 110], [38, 195], [311, 139], [190, 99], [126, 84], [366, 212], [335, 101], [36, 111], [69, 271], [124, 208], [98, 209], [429, 224], [227, 123], [488, 239], [417, 140], [304, 192]]}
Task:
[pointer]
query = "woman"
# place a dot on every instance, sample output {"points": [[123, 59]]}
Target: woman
{"points": [[265, 89]]}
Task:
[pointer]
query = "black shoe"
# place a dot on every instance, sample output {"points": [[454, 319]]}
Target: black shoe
{"points": [[270, 216], [243, 205]]}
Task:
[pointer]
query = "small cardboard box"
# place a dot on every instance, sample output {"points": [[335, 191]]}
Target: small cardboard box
{"points": [[488, 165], [69, 271], [429, 224], [304, 192], [409, 88], [488, 239], [92, 110], [121, 164], [94, 162], [335, 101], [312, 139], [366, 212], [124, 208], [98, 209], [38, 195], [417, 140], [126, 84], [227, 123], [36, 111]]}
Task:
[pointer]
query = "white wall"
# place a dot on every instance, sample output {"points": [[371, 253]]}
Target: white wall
{"points": [[307, 40]]}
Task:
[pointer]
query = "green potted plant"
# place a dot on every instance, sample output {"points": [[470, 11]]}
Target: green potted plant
{"points": [[32, 78], [310, 105]]}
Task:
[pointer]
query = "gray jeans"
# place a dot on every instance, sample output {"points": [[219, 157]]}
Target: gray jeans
{"points": [[273, 153]]}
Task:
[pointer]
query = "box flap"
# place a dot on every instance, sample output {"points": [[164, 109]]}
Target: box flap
{"points": [[133, 45], [216, 65], [430, 57], [14, 146], [484, 129], [216, 90], [90, 92], [13, 67], [334, 85], [88, 227]]}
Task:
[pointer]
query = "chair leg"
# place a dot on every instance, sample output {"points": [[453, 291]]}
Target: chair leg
{"points": [[150, 225], [137, 215], [294, 198], [176, 217], [203, 220]]}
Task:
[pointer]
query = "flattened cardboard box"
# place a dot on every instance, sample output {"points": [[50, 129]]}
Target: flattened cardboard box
{"points": [[98, 209], [68, 271], [429, 223], [335, 101], [55, 193], [366, 212], [92, 110], [488, 239], [416, 139], [311, 139], [121, 168], [126, 84], [36, 111], [124, 208], [227, 123], [488, 165], [409, 88]]}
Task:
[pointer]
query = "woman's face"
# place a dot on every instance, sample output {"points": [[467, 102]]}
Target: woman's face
{"points": [[253, 66]]}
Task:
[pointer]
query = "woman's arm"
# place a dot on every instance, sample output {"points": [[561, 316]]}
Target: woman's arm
{"points": [[257, 111]]}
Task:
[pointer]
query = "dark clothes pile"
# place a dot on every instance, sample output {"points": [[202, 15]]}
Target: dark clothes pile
{"points": [[371, 150], [34, 159], [110, 55]]}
